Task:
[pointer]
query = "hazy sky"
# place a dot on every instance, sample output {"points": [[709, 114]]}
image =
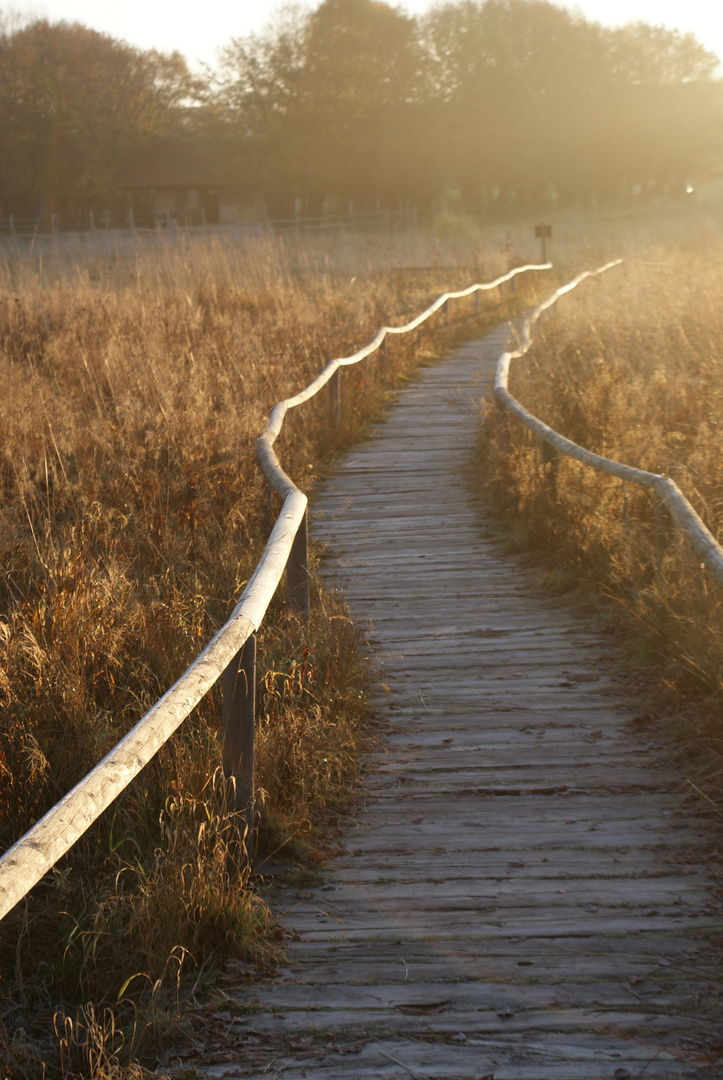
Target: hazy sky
{"points": [[198, 29]]}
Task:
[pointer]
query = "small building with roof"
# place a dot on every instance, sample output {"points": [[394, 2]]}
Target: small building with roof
{"points": [[171, 182]]}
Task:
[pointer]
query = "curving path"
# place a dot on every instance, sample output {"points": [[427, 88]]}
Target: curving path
{"points": [[522, 896]]}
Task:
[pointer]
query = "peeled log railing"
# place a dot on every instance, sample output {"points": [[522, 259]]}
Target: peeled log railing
{"points": [[230, 655], [701, 539]]}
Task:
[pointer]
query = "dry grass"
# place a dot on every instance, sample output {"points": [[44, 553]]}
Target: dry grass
{"points": [[136, 379], [630, 365]]}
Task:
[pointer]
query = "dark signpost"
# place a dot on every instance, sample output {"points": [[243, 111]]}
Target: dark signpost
{"points": [[543, 233]]}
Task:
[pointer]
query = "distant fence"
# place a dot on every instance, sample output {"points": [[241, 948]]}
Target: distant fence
{"points": [[702, 541], [229, 656], [390, 221], [51, 224], [374, 221]]}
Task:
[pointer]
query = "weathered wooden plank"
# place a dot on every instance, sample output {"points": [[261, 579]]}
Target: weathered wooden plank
{"points": [[462, 996], [571, 971], [648, 948], [476, 1022], [383, 1058], [585, 867], [549, 834], [442, 893], [524, 809]]}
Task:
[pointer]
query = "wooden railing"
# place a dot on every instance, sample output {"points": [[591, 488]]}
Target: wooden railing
{"points": [[702, 541], [230, 655]]}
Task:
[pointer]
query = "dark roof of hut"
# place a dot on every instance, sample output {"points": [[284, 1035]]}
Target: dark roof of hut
{"points": [[166, 164]]}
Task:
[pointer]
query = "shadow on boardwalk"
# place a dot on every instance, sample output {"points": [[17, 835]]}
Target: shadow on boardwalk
{"points": [[522, 897]]}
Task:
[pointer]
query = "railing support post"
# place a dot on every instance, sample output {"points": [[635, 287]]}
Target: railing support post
{"points": [[297, 571], [238, 684], [550, 464], [380, 358], [335, 400], [476, 303], [659, 535]]}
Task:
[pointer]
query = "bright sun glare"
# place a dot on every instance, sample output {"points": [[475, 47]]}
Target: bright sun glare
{"points": [[168, 26]]}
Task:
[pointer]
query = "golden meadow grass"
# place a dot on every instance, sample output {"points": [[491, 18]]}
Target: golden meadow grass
{"points": [[630, 365], [136, 376]]}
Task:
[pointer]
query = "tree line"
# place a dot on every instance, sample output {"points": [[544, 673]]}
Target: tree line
{"points": [[491, 105], [72, 104]]}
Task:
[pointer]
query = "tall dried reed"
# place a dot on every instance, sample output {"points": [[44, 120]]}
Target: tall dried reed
{"points": [[136, 376]]}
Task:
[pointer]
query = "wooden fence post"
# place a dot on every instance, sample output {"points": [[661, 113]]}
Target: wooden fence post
{"points": [[297, 571], [380, 358], [550, 464], [335, 400], [238, 684], [660, 534]]}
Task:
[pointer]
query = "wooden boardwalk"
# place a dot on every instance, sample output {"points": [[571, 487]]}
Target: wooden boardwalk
{"points": [[523, 895]]}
